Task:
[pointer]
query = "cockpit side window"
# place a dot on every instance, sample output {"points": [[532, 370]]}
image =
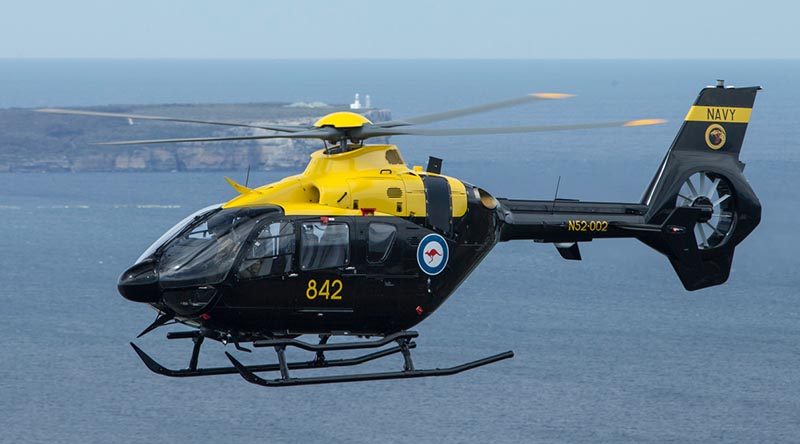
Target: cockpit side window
{"points": [[270, 253], [323, 245], [199, 232], [206, 251], [380, 238]]}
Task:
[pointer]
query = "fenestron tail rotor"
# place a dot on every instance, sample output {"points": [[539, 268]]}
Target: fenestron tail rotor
{"points": [[344, 127], [714, 191]]}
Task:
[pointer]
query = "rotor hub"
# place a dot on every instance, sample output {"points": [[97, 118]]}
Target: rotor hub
{"points": [[342, 119], [704, 203]]}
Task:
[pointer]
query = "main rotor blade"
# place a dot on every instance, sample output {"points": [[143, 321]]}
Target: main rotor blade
{"points": [[374, 131], [282, 128], [320, 133], [447, 115]]}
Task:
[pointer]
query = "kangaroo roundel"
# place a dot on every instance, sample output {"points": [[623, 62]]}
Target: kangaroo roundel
{"points": [[432, 254]]}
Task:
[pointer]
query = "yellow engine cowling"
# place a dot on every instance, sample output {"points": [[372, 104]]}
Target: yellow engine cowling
{"points": [[371, 177]]}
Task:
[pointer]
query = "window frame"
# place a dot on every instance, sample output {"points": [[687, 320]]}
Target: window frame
{"points": [[277, 248], [388, 251], [254, 238], [299, 231]]}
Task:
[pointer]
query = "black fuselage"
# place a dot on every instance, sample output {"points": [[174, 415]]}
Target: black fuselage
{"points": [[368, 290]]}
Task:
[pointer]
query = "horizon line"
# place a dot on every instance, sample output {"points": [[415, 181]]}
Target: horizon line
{"points": [[378, 59]]}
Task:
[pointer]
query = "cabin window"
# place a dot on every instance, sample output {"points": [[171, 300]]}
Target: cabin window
{"points": [[270, 253], [380, 238], [323, 245]]}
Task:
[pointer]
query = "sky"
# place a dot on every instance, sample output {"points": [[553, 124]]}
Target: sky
{"points": [[398, 29]]}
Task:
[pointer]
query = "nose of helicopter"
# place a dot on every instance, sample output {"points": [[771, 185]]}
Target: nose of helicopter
{"points": [[139, 283]]}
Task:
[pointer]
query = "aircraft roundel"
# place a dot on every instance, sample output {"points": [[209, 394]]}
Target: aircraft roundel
{"points": [[715, 136], [432, 254]]}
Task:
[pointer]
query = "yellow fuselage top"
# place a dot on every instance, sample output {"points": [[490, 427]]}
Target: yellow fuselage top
{"points": [[342, 184]]}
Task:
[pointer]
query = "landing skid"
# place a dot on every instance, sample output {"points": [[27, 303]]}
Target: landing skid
{"points": [[248, 372]]}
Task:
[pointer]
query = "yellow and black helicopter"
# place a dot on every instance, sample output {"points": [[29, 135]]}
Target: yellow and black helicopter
{"points": [[361, 245]]}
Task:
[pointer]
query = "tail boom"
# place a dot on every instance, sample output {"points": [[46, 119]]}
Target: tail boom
{"points": [[696, 210], [568, 220]]}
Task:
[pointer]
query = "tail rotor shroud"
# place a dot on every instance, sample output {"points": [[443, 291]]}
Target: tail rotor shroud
{"points": [[708, 189]]}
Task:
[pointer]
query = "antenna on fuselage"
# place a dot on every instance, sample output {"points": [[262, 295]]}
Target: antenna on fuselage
{"points": [[247, 177], [555, 197]]}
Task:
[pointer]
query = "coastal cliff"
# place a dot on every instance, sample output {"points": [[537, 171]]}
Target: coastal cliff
{"points": [[36, 142]]}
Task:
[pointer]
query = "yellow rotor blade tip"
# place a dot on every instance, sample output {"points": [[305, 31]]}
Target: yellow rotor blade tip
{"points": [[552, 96], [645, 122]]}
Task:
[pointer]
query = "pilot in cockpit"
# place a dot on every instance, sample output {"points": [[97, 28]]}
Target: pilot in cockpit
{"points": [[221, 232]]}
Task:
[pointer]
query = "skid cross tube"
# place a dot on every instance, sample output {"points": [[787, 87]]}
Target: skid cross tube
{"points": [[198, 341], [184, 334], [324, 346]]}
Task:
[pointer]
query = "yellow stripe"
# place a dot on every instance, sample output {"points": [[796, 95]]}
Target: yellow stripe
{"points": [[718, 114]]}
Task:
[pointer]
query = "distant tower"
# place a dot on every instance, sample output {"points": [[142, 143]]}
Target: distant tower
{"points": [[356, 104], [367, 102]]}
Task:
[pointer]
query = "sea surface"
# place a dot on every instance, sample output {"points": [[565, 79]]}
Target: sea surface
{"points": [[610, 349]]}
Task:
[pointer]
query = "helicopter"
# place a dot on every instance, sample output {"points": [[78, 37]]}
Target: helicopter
{"points": [[361, 246]]}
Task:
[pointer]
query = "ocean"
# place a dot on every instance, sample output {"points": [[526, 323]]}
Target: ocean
{"points": [[610, 349]]}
